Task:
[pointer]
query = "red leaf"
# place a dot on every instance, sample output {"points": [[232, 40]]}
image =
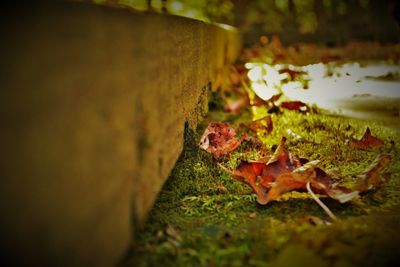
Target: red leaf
{"points": [[274, 98], [283, 173], [320, 182], [247, 172], [275, 175], [290, 181], [281, 154], [281, 162], [219, 139], [257, 167], [294, 105], [367, 141], [270, 102]]}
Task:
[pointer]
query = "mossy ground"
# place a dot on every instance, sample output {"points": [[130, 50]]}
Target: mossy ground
{"points": [[203, 217]]}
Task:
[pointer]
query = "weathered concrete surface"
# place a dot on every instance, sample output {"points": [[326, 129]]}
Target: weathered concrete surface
{"points": [[93, 105]]}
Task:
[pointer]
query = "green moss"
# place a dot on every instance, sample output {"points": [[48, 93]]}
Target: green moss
{"points": [[218, 222]]}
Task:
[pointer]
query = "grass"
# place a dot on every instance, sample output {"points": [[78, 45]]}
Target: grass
{"points": [[203, 217]]}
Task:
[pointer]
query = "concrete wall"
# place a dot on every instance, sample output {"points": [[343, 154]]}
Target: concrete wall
{"points": [[93, 103]]}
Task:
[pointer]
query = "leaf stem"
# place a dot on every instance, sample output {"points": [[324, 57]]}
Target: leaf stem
{"points": [[320, 203]]}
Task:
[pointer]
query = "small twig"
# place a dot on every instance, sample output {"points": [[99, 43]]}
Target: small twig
{"points": [[320, 203]]}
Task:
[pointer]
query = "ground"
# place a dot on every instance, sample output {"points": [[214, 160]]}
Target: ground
{"points": [[203, 217]]}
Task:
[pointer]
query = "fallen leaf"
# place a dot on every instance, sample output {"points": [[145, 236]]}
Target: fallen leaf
{"points": [[263, 125], [341, 193], [219, 139], [322, 184], [294, 105], [261, 176], [247, 172], [270, 102], [367, 141], [281, 154], [284, 172], [290, 181], [373, 176], [281, 162], [274, 98]]}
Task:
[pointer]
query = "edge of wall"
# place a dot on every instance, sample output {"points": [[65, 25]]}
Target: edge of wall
{"points": [[93, 106]]}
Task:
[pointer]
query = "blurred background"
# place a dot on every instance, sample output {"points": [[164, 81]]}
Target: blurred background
{"points": [[330, 22]]}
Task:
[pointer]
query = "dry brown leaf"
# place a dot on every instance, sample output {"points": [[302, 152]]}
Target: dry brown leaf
{"points": [[373, 176], [283, 173], [263, 125], [247, 172], [322, 184], [367, 141], [290, 181], [294, 105]]}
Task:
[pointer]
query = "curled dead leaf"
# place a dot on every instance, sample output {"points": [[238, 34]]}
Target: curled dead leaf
{"points": [[248, 172], [322, 184], [284, 172], [290, 181], [281, 154], [219, 139]]}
